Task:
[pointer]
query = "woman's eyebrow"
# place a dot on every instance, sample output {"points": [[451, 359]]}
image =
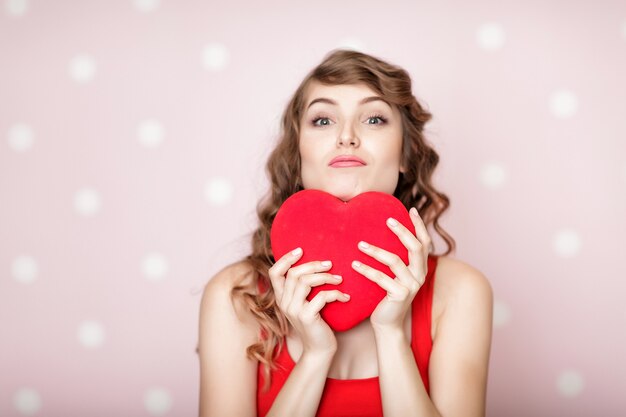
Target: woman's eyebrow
{"points": [[334, 103]]}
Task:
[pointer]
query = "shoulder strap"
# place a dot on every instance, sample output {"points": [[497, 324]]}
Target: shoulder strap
{"points": [[421, 321]]}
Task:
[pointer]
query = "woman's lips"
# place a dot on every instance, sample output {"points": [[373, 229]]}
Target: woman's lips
{"points": [[345, 161]]}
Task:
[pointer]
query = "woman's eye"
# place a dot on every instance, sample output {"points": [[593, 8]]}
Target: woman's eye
{"points": [[378, 120], [325, 121]]}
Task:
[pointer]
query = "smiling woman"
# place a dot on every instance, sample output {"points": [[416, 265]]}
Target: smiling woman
{"points": [[352, 127]]}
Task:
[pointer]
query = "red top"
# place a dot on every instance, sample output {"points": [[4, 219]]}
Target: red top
{"points": [[359, 397]]}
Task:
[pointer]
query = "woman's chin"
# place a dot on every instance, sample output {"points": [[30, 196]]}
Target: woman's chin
{"points": [[344, 195]]}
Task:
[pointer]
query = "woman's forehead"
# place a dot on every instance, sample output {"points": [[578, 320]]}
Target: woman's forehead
{"points": [[350, 93], [318, 88]]}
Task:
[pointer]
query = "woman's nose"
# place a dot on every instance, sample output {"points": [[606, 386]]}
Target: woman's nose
{"points": [[348, 137]]}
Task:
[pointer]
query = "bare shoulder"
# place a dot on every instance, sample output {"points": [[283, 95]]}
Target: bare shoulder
{"points": [[454, 275], [216, 297], [459, 285], [237, 273]]}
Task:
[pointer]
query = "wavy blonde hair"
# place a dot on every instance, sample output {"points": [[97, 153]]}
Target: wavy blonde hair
{"points": [[414, 187]]}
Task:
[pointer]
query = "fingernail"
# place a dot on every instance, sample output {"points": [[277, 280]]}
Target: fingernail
{"points": [[392, 222], [364, 245], [297, 251], [347, 296], [413, 211], [337, 277], [326, 263], [356, 264]]}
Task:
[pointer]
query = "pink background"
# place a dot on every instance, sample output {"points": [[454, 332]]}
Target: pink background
{"points": [[134, 135]]}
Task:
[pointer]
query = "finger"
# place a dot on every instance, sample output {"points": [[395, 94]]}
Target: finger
{"points": [[310, 268], [417, 255], [393, 261], [303, 288], [393, 287], [293, 275], [313, 307], [407, 237], [279, 269], [420, 229]]}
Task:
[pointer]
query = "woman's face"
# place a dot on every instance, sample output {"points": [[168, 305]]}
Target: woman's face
{"points": [[350, 141]]}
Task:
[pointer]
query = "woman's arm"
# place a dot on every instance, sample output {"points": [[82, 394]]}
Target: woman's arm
{"points": [[459, 359], [302, 392], [228, 379]]}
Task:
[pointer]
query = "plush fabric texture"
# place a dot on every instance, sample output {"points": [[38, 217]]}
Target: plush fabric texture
{"points": [[327, 228]]}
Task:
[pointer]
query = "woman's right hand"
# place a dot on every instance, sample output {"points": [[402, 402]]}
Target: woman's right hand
{"points": [[292, 286]]}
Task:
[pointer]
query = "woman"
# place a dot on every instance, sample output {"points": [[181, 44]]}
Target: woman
{"points": [[352, 126]]}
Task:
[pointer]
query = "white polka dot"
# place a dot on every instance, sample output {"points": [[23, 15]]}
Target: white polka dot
{"points": [[146, 5], [24, 269], [501, 314], [27, 401], [16, 8], [493, 175], [490, 36], [82, 68], [20, 137], [215, 56], [150, 133], [352, 43], [218, 191], [567, 243], [87, 202], [570, 383], [90, 334], [158, 401], [563, 104], [154, 266]]}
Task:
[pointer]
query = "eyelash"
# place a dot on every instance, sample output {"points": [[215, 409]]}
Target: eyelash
{"points": [[383, 120]]}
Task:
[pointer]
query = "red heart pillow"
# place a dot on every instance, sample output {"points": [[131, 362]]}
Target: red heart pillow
{"points": [[327, 228]]}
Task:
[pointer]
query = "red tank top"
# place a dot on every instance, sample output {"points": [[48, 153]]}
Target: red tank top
{"points": [[359, 397]]}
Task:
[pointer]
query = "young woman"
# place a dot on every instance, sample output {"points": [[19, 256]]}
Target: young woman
{"points": [[352, 126]]}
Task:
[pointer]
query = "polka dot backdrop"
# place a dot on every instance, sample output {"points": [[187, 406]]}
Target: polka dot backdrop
{"points": [[134, 138]]}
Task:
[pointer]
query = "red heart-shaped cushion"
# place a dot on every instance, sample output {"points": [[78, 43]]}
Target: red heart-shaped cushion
{"points": [[327, 228]]}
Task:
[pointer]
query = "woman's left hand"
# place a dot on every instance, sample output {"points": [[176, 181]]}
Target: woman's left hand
{"points": [[391, 311]]}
